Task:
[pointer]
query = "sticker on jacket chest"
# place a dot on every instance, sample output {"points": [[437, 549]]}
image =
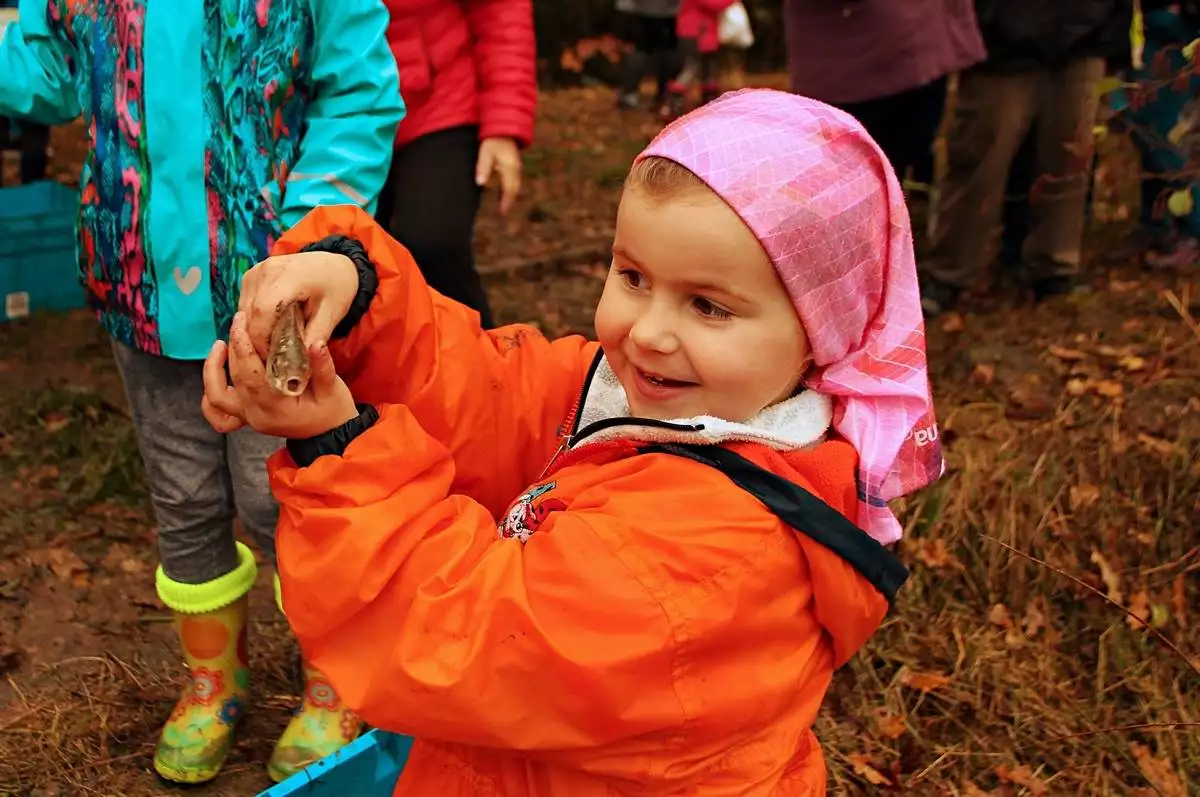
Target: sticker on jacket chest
{"points": [[529, 512]]}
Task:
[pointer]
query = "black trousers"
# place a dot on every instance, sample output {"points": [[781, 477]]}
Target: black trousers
{"points": [[905, 125], [655, 46], [429, 203], [31, 140]]}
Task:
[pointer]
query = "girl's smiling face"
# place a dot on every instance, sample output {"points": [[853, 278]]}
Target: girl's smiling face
{"points": [[694, 319]]}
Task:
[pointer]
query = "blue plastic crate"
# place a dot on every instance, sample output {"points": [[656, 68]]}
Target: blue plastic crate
{"points": [[367, 767], [38, 263]]}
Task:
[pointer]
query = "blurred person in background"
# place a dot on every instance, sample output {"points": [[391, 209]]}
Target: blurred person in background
{"points": [[696, 25], [884, 62], [1045, 61], [1152, 111], [655, 49], [468, 71]]}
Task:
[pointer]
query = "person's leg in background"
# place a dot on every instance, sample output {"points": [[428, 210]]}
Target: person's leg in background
{"points": [[690, 70], [433, 203], [992, 116], [665, 58], [1014, 218], [1065, 147], [904, 125], [710, 77], [633, 68]]}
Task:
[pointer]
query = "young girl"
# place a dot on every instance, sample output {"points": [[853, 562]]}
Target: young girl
{"points": [[213, 127], [696, 25], [571, 569]]}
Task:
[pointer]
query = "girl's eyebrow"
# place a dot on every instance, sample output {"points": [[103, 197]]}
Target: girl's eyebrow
{"points": [[711, 287], [624, 254], [694, 285]]}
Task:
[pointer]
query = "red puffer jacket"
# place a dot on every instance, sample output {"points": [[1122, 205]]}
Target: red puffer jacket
{"points": [[697, 19], [465, 62]]}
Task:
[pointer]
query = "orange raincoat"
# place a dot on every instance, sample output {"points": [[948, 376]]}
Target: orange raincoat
{"points": [[638, 624]]}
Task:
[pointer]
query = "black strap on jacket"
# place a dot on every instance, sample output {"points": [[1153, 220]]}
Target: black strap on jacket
{"points": [[803, 511]]}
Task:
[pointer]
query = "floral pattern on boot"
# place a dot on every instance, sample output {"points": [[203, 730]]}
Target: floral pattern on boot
{"points": [[199, 733], [322, 725]]}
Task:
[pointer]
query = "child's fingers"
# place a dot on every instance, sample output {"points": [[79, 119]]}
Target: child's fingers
{"points": [[484, 165], [245, 367], [510, 185], [219, 420], [217, 392], [319, 326], [322, 374]]}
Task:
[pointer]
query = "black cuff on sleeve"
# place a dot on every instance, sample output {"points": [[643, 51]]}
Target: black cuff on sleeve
{"points": [[368, 278], [305, 451]]}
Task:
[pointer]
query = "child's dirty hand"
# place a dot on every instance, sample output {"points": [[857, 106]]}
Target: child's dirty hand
{"points": [[322, 283], [250, 401]]}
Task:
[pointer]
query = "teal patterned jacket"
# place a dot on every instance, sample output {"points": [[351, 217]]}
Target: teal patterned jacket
{"points": [[214, 125]]}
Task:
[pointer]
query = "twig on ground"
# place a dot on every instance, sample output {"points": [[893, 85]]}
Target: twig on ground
{"points": [[1075, 579]]}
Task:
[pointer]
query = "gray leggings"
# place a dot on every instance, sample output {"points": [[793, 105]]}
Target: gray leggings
{"points": [[198, 479]]}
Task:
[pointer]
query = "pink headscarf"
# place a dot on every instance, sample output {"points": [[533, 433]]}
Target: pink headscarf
{"points": [[825, 204]]}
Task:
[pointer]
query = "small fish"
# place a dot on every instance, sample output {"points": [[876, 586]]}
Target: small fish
{"points": [[287, 359]]}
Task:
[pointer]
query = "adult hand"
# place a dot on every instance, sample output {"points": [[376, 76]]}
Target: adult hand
{"points": [[503, 156]]}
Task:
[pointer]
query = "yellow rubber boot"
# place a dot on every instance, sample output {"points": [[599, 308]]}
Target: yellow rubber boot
{"points": [[322, 725], [210, 619]]}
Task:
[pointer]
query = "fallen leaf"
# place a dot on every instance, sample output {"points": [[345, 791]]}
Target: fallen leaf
{"points": [[999, 616], [934, 554], [952, 322], [1160, 615], [983, 373], [1082, 495], [1179, 601], [1158, 771], [863, 767], [65, 564], [892, 726], [969, 789], [1035, 619], [1109, 389], [1163, 448], [924, 681], [1139, 608], [55, 422], [1077, 387], [8, 588], [1132, 325], [1110, 579], [1132, 362], [569, 61], [120, 557], [1021, 776], [1067, 355]]}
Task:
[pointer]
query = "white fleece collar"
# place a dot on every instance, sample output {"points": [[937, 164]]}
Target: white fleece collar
{"points": [[798, 422]]}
